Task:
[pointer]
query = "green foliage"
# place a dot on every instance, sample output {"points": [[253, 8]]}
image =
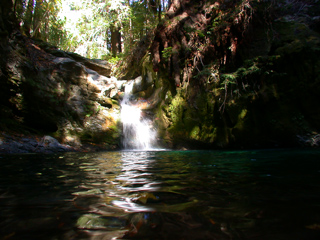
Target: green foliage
{"points": [[85, 27], [90, 29], [208, 72], [200, 34], [217, 22], [113, 60], [188, 29], [246, 81], [167, 53], [228, 79]]}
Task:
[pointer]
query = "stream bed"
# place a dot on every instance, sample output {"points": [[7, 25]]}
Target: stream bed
{"points": [[157, 195]]}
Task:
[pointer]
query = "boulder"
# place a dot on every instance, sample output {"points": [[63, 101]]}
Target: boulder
{"points": [[55, 93], [142, 83], [27, 144]]}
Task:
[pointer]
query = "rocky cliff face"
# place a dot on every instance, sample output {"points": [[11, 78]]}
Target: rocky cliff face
{"points": [[241, 75], [46, 91]]}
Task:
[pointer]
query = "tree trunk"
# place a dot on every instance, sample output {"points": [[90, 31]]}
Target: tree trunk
{"points": [[8, 20], [28, 18], [174, 6], [159, 10], [18, 9], [152, 5], [38, 14], [115, 41]]}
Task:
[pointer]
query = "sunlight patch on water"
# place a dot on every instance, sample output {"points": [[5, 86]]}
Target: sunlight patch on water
{"points": [[135, 177], [130, 206]]}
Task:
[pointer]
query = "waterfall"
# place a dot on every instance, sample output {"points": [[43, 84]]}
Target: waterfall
{"points": [[137, 129]]}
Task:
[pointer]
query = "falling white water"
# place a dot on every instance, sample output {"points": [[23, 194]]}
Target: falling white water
{"points": [[137, 130]]}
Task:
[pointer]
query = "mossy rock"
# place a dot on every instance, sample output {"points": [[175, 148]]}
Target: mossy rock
{"points": [[94, 221]]}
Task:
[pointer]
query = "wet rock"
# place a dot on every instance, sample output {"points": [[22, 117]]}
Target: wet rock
{"points": [[141, 84], [120, 84], [114, 93], [46, 144], [102, 67], [93, 221], [105, 102], [61, 93], [166, 225]]}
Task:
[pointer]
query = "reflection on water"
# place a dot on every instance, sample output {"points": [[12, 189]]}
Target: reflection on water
{"points": [[135, 177], [161, 195]]}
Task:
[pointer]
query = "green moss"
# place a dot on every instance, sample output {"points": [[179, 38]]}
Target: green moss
{"points": [[264, 97], [176, 109], [194, 134], [240, 124]]}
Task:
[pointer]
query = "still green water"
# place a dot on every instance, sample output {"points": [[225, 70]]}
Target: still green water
{"points": [[260, 194]]}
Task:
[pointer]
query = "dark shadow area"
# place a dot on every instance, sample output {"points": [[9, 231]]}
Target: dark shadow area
{"points": [[191, 195], [39, 196]]}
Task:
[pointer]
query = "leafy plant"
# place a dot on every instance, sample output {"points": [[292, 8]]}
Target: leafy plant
{"points": [[114, 60], [228, 79], [167, 53]]}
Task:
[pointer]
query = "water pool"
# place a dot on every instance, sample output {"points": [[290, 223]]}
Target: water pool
{"points": [[258, 194]]}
